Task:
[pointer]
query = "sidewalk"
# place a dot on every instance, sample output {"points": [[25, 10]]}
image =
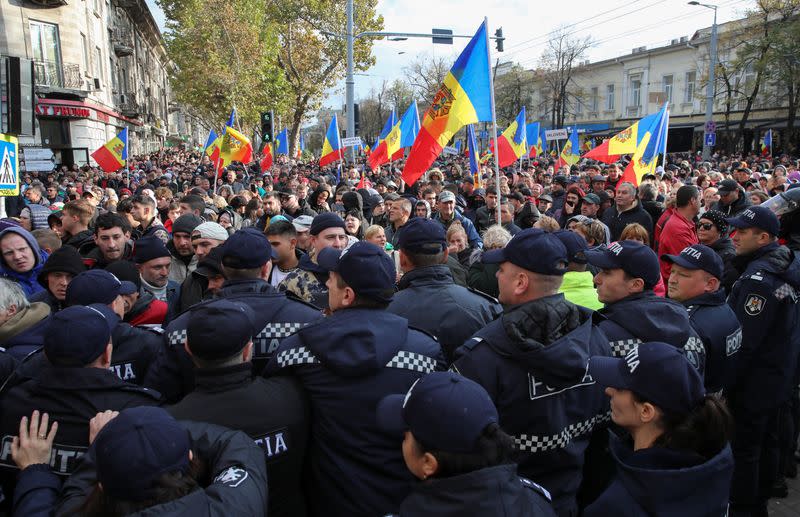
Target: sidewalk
{"points": [[790, 506]]}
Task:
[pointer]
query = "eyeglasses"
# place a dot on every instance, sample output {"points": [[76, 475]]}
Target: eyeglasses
{"points": [[705, 226]]}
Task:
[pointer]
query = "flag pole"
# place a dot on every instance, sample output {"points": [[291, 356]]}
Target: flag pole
{"points": [[666, 137], [494, 115]]}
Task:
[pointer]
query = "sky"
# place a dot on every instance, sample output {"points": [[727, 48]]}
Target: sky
{"points": [[616, 26]]}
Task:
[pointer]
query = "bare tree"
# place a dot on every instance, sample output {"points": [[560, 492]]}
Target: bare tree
{"points": [[512, 90], [425, 75], [556, 66]]}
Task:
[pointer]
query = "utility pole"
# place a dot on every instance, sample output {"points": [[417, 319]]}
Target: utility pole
{"points": [[350, 83], [712, 66]]}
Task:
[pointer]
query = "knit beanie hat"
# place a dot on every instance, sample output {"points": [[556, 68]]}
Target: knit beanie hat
{"points": [[149, 248], [718, 218], [65, 259], [186, 223]]}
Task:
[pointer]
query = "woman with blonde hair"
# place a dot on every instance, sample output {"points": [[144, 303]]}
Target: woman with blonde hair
{"points": [[458, 244]]}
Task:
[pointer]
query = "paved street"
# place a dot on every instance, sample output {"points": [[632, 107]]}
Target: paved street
{"points": [[789, 506]]}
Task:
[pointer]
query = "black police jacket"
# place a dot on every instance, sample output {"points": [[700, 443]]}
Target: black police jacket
{"points": [[765, 300], [348, 362], [277, 315], [430, 301], [644, 317], [134, 350], [487, 492], [533, 362], [721, 333], [273, 412], [235, 481], [661, 481], [72, 397]]}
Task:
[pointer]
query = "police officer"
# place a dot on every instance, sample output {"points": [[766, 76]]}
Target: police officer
{"points": [[428, 297], [633, 313], [308, 282], [765, 301], [246, 262], [454, 445], [273, 412], [134, 347], [695, 282], [532, 361], [73, 388], [347, 363]]}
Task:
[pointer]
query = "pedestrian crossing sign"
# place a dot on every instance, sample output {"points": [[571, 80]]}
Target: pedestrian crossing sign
{"points": [[9, 168]]}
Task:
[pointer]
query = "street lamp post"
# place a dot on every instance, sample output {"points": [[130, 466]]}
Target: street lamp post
{"points": [[712, 65], [349, 81]]}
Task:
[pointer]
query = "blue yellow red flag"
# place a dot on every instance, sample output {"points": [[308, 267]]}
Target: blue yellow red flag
{"points": [[235, 147], [766, 143], [112, 155], [332, 146], [571, 152], [474, 159], [464, 98], [512, 143]]}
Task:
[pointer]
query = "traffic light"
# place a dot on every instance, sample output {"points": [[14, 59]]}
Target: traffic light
{"points": [[500, 39], [266, 127], [356, 118]]}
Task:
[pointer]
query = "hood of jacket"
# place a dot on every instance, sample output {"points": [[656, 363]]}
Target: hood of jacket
{"points": [[353, 201], [38, 255], [773, 258], [431, 275], [309, 263], [356, 342], [550, 335], [665, 481], [487, 492], [656, 318], [22, 321]]}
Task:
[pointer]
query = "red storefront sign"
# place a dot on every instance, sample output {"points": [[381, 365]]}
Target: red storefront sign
{"points": [[58, 110]]}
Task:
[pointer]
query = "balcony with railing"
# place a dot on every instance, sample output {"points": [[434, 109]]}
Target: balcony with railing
{"points": [[58, 75], [122, 39], [128, 105]]}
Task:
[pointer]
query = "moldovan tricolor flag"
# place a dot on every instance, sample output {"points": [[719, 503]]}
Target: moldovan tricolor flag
{"points": [[512, 142], [235, 147], [571, 152], [464, 98], [112, 156], [331, 147]]}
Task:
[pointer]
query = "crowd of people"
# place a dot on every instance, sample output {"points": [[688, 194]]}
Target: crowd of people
{"points": [[331, 341]]}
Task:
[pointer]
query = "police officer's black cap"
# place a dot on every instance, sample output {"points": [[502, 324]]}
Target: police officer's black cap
{"points": [[534, 250], [247, 248], [77, 335], [366, 268], [575, 244], [633, 257], [757, 217], [698, 256], [422, 235], [151, 437], [97, 286], [219, 329]]}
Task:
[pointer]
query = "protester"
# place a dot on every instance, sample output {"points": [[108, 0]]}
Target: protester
{"points": [[22, 323], [21, 259]]}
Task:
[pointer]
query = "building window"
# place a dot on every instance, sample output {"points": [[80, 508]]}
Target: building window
{"points": [[610, 97], [688, 96], [666, 84], [46, 47], [98, 63], [636, 92], [593, 101], [84, 54], [578, 106]]}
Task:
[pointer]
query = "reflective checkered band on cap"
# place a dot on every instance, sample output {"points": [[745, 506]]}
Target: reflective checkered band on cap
{"points": [[623, 346], [532, 443], [295, 356], [411, 361], [177, 337]]}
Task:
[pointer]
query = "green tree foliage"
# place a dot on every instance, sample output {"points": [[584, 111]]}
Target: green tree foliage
{"points": [[226, 52]]}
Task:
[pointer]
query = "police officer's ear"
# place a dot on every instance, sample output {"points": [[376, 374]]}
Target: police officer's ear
{"points": [[247, 352], [266, 269], [104, 360], [648, 413]]}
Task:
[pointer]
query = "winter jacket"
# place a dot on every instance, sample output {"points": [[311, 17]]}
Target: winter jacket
{"points": [[533, 362], [489, 492], [678, 233], [736, 207], [661, 482], [235, 466], [473, 238], [24, 332], [765, 300], [27, 281], [430, 301], [617, 221], [578, 287], [724, 248], [347, 363], [482, 277]]}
